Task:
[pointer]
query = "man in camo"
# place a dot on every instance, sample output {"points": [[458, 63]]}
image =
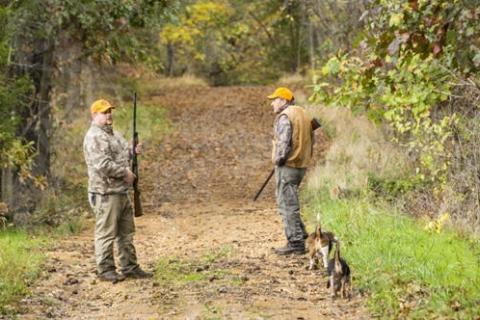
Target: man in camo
{"points": [[291, 153], [107, 155]]}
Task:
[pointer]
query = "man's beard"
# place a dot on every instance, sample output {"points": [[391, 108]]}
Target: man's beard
{"points": [[108, 128]]}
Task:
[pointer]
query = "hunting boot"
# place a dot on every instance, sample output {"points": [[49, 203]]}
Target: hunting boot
{"points": [[138, 273], [111, 276], [291, 248]]}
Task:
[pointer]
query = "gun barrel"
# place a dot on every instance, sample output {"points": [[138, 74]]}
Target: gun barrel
{"points": [[137, 205], [264, 185]]}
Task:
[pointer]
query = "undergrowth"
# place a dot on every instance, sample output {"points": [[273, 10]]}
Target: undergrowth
{"points": [[152, 122], [405, 270], [20, 264]]}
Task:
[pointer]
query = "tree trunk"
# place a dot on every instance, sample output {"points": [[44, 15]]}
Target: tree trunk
{"points": [[42, 79], [311, 45], [170, 59], [6, 190], [34, 59]]}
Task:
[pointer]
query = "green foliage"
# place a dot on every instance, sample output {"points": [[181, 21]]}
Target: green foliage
{"points": [[403, 73], [20, 262], [32, 30], [14, 151], [108, 29], [393, 188], [426, 27], [406, 271], [191, 29], [201, 26], [231, 41]]}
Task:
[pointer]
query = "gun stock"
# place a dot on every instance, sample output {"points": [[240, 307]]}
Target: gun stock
{"points": [[137, 204]]}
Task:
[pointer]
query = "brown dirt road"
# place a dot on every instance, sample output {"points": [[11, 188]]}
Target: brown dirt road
{"points": [[209, 242]]}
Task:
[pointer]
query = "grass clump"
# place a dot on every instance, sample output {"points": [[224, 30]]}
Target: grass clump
{"points": [[20, 265], [176, 272], [216, 255], [173, 271], [151, 85], [406, 270]]}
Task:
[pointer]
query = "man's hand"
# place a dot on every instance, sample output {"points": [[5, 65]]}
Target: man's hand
{"points": [[138, 148], [129, 177], [280, 161]]}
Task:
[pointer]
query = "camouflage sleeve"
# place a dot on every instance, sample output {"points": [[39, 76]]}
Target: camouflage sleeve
{"points": [[99, 153], [125, 145], [284, 140]]}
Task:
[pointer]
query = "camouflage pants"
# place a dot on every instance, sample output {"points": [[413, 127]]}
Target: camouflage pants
{"points": [[114, 222], [288, 181]]}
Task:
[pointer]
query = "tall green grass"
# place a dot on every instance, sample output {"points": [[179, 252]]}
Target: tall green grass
{"points": [[405, 270], [20, 264]]}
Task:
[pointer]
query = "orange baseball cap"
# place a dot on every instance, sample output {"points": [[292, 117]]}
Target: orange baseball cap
{"points": [[282, 92], [101, 105]]}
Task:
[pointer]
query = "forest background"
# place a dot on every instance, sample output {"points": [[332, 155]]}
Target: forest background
{"points": [[409, 69]]}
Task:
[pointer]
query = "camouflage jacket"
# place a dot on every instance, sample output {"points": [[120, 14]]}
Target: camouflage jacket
{"points": [[282, 130], [107, 155]]}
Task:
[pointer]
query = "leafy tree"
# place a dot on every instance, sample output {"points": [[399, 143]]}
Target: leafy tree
{"points": [[254, 41], [413, 56], [31, 37], [194, 33], [14, 92]]}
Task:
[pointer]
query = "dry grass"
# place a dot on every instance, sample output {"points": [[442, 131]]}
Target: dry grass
{"points": [[152, 84], [292, 80], [358, 147]]}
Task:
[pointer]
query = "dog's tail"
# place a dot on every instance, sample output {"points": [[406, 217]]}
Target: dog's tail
{"points": [[338, 263], [318, 230]]}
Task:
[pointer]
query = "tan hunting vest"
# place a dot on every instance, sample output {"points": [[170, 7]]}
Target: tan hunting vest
{"points": [[302, 143]]}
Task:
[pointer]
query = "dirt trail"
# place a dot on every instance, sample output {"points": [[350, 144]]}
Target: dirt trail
{"points": [[211, 243]]}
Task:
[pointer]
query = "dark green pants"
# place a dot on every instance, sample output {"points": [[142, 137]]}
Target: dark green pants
{"points": [[288, 181]]}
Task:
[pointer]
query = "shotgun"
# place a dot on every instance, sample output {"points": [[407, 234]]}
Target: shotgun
{"points": [[137, 205], [264, 185], [315, 125]]}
